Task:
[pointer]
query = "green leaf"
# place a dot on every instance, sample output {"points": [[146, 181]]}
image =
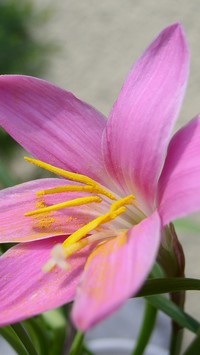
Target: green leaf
{"points": [[168, 285], [11, 337], [25, 339], [174, 312], [38, 334]]}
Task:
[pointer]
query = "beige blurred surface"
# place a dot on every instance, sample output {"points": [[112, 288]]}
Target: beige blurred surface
{"points": [[100, 40]]}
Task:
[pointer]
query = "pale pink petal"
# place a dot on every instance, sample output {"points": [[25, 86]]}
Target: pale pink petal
{"points": [[115, 271], [26, 290], [143, 117], [179, 185], [16, 201], [52, 124]]}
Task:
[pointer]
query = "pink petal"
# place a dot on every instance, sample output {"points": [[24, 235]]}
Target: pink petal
{"points": [[142, 118], [179, 185], [52, 124], [26, 290], [16, 201], [115, 271]]}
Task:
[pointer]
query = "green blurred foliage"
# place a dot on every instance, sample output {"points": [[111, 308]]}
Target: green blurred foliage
{"points": [[21, 52]]}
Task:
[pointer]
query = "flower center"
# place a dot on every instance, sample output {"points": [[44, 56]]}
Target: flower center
{"points": [[90, 232]]}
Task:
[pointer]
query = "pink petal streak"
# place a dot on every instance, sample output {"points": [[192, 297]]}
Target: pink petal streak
{"points": [[115, 271], [26, 290], [142, 119], [179, 185], [52, 124]]}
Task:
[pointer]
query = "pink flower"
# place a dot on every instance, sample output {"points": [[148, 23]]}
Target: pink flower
{"points": [[134, 181]]}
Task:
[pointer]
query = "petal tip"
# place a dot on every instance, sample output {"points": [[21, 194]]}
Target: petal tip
{"points": [[176, 30]]}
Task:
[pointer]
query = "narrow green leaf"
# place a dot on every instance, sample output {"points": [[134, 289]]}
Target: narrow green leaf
{"points": [[25, 339], [174, 312], [168, 285], [10, 336], [38, 333]]}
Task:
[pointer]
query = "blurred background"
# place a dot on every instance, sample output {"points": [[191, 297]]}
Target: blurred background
{"points": [[88, 47]]}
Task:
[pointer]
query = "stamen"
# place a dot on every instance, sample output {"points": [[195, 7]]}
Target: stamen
{"points": [[82, 232], [67, 188], [71, 176], [128, 200], [76, 202], [76, 241], [90, 232]]}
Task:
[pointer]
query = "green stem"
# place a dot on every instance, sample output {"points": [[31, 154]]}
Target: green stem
{"points": [[177, 331], [10, 336], [25, 339], [146, 329], [77, 345], [176, 341]]}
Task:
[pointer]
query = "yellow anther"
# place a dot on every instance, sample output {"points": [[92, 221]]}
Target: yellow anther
{"points": [[76, 202], [128, 200], [68, 188], [72, 176], [82, 232]]}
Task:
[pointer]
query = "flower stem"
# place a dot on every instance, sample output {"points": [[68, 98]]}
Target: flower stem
{"points": [[177, 331], [146, 329], [176, 341], [77, 345]]}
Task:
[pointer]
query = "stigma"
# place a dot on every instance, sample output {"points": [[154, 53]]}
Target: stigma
{"points": [[98, 230]]}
